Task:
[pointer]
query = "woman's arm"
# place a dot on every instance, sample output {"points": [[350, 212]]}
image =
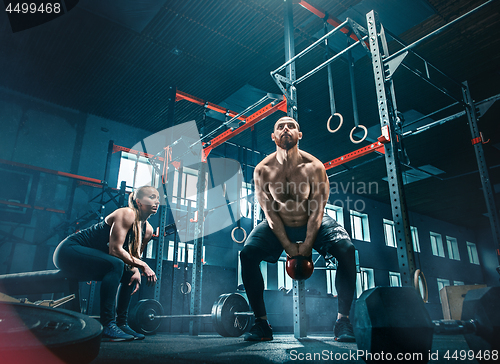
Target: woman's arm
{"points": [[122, 221]]}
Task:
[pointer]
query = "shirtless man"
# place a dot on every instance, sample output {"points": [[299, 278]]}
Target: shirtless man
{"points": [[292, 188]]}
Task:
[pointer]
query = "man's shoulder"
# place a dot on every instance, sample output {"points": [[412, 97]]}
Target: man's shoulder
{"points": [[266, 163], [311, 161]]}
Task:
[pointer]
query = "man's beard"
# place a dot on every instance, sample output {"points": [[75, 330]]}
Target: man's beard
{"points": [[286, 143]]}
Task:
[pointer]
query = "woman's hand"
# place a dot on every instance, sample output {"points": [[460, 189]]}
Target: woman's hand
{"points": [[135, 279], [149, 273]]}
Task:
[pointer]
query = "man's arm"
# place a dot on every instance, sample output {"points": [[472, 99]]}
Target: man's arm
{"points": [[320, 189], [266, 201]]}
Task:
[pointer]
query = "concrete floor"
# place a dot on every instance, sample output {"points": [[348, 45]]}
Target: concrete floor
{"points": [[171, 348]]}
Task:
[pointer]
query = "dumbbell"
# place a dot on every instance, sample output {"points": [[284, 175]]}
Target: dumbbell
{"points": [[394, 321], [230, 315]]}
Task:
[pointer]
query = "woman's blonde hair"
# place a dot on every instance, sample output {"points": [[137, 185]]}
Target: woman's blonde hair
{"points": [[135, 241]]}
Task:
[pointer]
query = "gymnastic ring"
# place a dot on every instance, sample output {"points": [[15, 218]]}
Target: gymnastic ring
{"points": [[244, 235], [420, 274], [363, 138], [188, 286], [330, 118]]}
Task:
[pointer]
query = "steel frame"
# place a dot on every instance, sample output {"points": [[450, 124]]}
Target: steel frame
{"points": [[384, 66]]}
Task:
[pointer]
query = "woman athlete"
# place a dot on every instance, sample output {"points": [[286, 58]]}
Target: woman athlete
{"points": [[110, 251]]}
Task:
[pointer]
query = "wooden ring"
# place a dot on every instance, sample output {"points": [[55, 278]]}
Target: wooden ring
{"points": [[244, 235], [364, 136], [420, 274], [188, 286], [330, 118]]}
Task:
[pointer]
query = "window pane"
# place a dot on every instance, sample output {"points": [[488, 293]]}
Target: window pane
{"points": [[357, 227], [414, 238], [390, 239]]}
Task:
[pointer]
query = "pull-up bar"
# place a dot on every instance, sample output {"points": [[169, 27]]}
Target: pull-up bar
{"points": [[247, 121]]}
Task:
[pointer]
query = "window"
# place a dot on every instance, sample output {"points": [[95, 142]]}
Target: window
{"points": [[336, 213], [414, 238], [284, 279], [390, 233], [437, 244], [472, 250], [136, 171], [442, 283], [331, 274], [395, 279], [359, 226], [149, 250], [452, 248], [245, 204], [364, 281], [181, 252], [188, 191]]}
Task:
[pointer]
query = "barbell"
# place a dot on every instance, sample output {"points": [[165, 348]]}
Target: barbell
{"points": [[230, 315]]}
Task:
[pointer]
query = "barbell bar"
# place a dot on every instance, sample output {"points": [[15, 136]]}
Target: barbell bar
{"points": [[146, 316]]}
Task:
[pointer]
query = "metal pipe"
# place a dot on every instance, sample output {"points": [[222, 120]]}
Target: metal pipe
{"points": [[395, 37], [326, 63], [350, 61], [308, 49], [432, 84], [432, 113], [262, 100], [331, 93], [436, 32]]}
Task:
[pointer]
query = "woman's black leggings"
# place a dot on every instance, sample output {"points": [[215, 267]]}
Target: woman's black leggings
{"points": [[345, 280], [89, 264]]}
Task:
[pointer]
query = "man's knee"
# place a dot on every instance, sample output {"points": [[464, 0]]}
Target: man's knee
{"points": [[345, 250], [250, 254]]}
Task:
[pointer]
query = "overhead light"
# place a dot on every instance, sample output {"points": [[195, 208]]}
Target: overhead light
{"points": [[176, 51]]}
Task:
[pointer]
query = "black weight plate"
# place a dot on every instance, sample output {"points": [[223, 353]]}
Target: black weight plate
{"points": [[481, 305], [228, 323], [140, 316], [37, 332], [215, 322]]}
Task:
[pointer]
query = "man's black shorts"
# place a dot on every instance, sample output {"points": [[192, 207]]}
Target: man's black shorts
{"points": [[329, 233]]}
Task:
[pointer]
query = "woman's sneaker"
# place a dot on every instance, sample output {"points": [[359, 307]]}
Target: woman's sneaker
{"points": [[260, 331], [113, 333], [126, 329], [343, 330]]}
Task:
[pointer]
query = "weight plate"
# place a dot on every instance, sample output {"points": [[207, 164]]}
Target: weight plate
{"points": [[141, 316], [215, 308], [226, 322], [29, 331]]}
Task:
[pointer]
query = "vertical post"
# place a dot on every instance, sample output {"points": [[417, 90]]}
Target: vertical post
{"points": [[159, 250], [291, 91], [299, 299], [197, 270], [387, 112], [163, 211], [483, 168]]}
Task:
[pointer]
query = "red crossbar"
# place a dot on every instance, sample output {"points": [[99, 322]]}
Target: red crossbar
{"points": [[17, 204], [50, 171], [331, 20], [184, 96], [374, 147], [250, 121]]}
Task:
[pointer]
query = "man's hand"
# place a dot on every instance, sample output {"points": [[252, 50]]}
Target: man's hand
{"points": [[292, 249], [135, 279], [149, 273], [305, 250]]}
